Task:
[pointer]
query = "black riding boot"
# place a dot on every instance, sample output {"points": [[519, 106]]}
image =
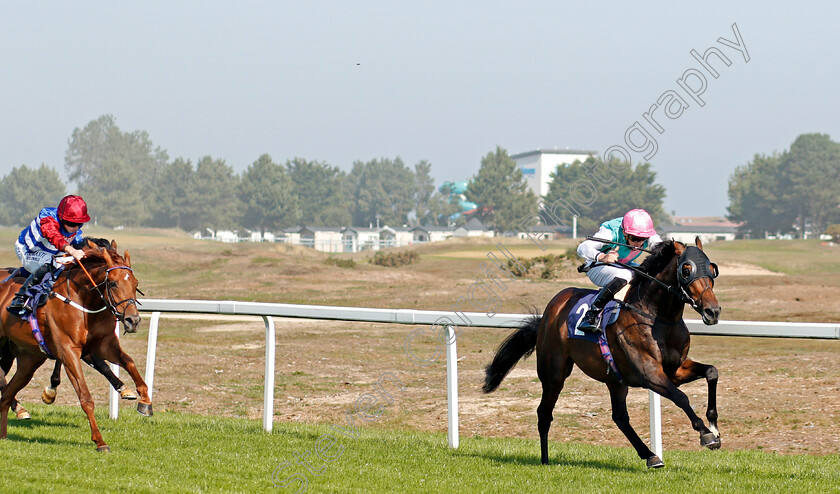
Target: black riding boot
{"points": [[589, 323], [19, 301]]}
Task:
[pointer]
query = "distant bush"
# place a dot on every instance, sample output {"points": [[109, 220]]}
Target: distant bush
{"points": [[549, 266], [834, 231], [342, 263], [395, 259]]}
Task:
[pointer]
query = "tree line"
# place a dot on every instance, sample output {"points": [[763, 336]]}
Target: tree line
{"points": [[128, 181], [792, 191]]}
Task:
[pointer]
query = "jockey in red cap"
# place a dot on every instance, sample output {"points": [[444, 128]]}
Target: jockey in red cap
{"points": [[634, 229], [53, 230]]}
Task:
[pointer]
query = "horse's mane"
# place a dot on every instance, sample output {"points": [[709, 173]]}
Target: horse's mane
{"points": [[656, 262], [100, 242], [94, 253]]}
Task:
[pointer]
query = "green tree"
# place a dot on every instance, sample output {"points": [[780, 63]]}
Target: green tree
{"points": [[25, 191], [173, 195], [431, 207], [503, 197], [323, 192], [214, 202], [382, 192], [114, 170], [756, 198], [811, 179], [799, 187], [596, 200], [268, 197]]}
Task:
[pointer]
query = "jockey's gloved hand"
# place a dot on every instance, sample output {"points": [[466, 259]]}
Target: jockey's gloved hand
{"points": [[610, 257], [76, 253]]}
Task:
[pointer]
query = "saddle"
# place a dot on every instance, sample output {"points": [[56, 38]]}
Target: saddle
{"points": [[38, 294]]}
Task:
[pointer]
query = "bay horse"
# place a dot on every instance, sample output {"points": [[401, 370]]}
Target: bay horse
{"points": [[649, 343], [81, 324]]}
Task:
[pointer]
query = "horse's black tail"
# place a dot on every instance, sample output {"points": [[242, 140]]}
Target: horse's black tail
{"points": [[518, 345]]}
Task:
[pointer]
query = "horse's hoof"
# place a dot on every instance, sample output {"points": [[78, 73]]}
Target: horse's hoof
{"points": [[655, 462], [127, 394], [103, 449], [48, 396], [22, 414], [709, 440], [145, 409]]}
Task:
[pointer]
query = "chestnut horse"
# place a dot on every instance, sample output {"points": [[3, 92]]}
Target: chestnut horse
{"points": [[649, 343], [82, 324]]}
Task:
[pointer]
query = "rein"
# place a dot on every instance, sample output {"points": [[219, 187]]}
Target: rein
{"points": [[681, 293]]}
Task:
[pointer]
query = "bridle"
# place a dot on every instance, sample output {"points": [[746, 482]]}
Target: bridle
{"points": [[107, 295], [699, 267]]}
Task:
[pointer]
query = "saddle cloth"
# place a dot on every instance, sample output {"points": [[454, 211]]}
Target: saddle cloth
{"points": [[607, 317]]}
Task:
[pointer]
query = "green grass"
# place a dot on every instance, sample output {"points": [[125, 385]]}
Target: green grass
{"points": [[174, 452], [792, 257]]}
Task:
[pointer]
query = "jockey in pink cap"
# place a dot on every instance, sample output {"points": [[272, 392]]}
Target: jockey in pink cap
{"points": [[636, 230]]}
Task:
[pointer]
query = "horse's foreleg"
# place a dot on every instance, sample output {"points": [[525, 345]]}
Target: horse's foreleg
{"points": [[73, 367], [660, 383], [48, 396], [111, 350], [690, 371], [618, 399]]}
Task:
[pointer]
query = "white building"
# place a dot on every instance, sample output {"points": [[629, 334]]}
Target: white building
{"points": [[538, 165], [398, 236], [422, 234], [355, 239], [473, 228], [708, 228]]}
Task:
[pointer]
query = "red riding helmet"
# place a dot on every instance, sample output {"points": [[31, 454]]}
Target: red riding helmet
{"points": [[73, 209]]}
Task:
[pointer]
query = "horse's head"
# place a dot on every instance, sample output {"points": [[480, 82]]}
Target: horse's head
{"points": [[116, 284], [696, 277]]}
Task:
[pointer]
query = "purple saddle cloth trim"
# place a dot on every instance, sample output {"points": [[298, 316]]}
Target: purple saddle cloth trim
{"points": [[39, 337]]}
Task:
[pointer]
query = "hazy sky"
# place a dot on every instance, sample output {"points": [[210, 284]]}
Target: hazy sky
{"points": [[441, 81]]}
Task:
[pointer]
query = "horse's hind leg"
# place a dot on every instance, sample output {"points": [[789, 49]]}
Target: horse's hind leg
{"points": [[690, 371], [48, 396], [26, 367], [102, 367], [552, 379], [6, 360], [618, 399]]}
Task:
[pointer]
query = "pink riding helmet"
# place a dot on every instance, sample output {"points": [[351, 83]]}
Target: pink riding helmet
{"points": [[638, 222]]}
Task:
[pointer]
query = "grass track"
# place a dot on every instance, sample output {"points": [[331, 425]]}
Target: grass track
{"points": [[174, 452]]}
